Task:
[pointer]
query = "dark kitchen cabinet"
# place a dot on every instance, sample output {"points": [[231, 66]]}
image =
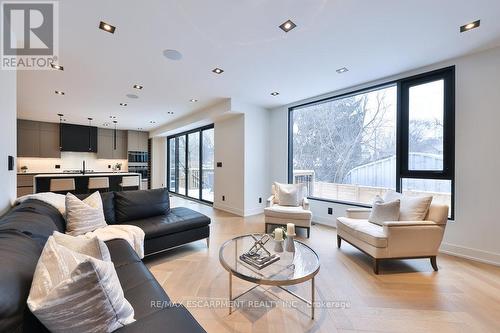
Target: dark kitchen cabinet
{"points": [[79, 138]]}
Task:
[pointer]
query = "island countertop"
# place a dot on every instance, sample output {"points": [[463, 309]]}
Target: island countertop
{"points": [[89, 174]]}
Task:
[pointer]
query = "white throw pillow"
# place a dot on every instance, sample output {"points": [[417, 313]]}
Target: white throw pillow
{"points": [[73, 292], [93, 247], [289, 194], [412, 208], [384, 211], [84, 216]]}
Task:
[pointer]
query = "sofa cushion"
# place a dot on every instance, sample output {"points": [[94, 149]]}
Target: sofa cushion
{"points": [[412, 208], [179, 219], [108, 205], [288, 212], [135, 205], [37, 226], [41, 208], [384, 211], [18, 258], [84, 216], [368, 232]]}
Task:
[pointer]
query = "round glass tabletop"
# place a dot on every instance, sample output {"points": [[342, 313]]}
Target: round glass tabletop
{"points": [[291, 268]]}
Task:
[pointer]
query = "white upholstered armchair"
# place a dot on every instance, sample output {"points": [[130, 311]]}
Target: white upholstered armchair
{"points": [[394, 239], [280, 214]]}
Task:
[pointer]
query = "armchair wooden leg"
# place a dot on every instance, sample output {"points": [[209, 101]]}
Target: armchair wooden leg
{"points": [[434, 263], [308, 232], [339, 241], [375, 266], [266, 228]]}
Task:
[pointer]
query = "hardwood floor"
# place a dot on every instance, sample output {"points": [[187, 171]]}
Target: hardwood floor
{"points": [[407, 296]]}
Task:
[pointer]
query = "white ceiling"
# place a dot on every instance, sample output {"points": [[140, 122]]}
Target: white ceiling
{"points": [[373, 39]]}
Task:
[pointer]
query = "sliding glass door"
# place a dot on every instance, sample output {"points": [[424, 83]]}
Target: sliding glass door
{"points": [[190, 163]]}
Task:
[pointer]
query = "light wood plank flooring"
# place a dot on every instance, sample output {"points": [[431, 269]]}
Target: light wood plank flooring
{"points": [[464, 296]]}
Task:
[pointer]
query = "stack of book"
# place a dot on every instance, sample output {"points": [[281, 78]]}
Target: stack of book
{"points": [[258, 260]]}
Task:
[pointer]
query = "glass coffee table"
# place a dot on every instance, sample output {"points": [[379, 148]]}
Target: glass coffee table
{"points": [[292, 268]]}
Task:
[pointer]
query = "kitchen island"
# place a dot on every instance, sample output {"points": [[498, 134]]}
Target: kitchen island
{"points": [[41, 182]]}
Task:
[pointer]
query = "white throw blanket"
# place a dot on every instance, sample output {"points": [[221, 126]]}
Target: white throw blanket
{"points": [[58, 201], [132, 234]]}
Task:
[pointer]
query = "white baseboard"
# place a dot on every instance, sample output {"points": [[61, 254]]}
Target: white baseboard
{"points": [[470, 253], [229, 209], [255, 211]]}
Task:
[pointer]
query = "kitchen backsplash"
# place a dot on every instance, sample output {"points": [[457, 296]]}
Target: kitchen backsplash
{"points": [[69, 161]]}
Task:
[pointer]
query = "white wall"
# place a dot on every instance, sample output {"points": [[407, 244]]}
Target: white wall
{"points": [[229, 141], [158, 162], [476, 230], [8, 137]]}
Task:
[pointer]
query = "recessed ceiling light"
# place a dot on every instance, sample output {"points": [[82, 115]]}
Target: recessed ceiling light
{"points": [[133, 96], [138, 86], [58, 92], [152, 122], [287, 26], [170, 112], [192, 100], [470, 26], [172, 54], [123, 104], [107, 27], [218, 71], [342, 70], [58, 67], [112, 117], [105, 124], [275, 93]]}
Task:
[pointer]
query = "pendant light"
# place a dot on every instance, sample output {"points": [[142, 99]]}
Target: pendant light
{"points": [[114, 135], [60, 129], [90, 134]]}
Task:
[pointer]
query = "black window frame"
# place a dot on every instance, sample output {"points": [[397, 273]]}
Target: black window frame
{"points": [[402, 128], [186, 152]]}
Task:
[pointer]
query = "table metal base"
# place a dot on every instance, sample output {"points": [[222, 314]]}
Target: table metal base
{"points": [[231, 299]]}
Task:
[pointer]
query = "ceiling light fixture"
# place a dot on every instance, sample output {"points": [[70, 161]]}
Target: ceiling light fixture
{"points": [[58, 67], [112, 117], [275, 93], [192, 100], [123, 104], [172, 54], [342, 70], [152, 122], [170, 112], [138, 86], [107, 27], [218, 70], [58, 92], [287, 26], [470, 26]]}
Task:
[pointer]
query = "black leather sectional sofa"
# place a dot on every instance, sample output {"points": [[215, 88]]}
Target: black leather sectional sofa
{"points": [[26, 227]]}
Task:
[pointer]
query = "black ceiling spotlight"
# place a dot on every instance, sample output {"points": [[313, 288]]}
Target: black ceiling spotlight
{"points": [[470, 26], [287, 26], [114, 135], [60, 129], [107, 27]]}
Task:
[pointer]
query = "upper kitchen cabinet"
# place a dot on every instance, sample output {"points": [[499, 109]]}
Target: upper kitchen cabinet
{"points": [[79, 138], [138, 141], [109, 147], [37, 139]]}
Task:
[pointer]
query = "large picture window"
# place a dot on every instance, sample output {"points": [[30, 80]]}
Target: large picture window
{"points": [[190, 164], [397, 136]]}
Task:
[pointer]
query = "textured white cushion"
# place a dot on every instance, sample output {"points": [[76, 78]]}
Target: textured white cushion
{"points": [[84, 216], [73, 292], [288, 194], [93, 247], [384, 211], [288, 212], [412, 208]]}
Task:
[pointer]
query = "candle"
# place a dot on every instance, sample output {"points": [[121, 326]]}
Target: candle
{"points": [[290, 229], [278, 234]]}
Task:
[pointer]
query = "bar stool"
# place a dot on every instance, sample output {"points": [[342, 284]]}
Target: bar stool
{"points": [[62, 185], [130, 181], [98, 183]]}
